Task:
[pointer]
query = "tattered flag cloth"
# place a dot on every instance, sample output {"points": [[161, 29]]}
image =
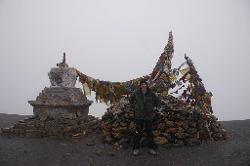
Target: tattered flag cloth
{"points": [[107, 91], [110, 92], [163, 80]]}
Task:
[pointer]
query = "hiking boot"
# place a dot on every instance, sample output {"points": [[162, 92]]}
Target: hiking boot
{"points": [[152, 152], [136, 152]]}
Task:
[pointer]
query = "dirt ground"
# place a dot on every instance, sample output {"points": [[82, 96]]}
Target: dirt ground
{"points": [[20, 151]]}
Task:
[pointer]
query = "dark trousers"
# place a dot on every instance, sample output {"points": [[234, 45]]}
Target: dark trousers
{"points": [[140, 126]]}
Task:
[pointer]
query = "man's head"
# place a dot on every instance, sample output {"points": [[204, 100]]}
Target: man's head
{"points": [[143, 85]]}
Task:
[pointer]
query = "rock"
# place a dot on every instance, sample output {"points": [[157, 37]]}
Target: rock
{"points": [[192, 142], [63, 144], [68, 154], [178, 143], [180, 126], [111, 153], [99, 152], [63, 127], [90, 144], [160, 140], [5, 130]]}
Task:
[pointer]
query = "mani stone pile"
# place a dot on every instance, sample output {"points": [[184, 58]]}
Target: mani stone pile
{"points": [[174, 124], [61, 127], [60, 110]]}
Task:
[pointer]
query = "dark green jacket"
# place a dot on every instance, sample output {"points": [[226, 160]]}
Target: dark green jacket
{"points": [[143, 104]]}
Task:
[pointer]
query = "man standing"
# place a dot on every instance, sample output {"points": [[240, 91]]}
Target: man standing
{"points": [[143, 102]]}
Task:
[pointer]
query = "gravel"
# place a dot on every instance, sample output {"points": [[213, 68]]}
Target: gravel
{"points": [[90, 151]]}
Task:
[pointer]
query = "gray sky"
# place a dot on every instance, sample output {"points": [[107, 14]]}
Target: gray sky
{"points": [[120, 40]]}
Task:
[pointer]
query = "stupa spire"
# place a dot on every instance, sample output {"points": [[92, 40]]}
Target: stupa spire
{"points": [[63, 63], [64, 58]]}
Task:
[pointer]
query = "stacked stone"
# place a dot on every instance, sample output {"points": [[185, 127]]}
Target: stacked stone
{"points": [[173, 124], [76, 127], [117, 125]]}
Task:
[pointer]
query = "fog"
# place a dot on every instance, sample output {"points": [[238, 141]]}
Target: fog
{"points": [[121, 40]]}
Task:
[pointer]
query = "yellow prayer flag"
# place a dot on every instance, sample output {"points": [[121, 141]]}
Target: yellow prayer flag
{"points": [[172, 77], [184, 71]]}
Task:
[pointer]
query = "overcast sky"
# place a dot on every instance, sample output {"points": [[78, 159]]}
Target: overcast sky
{"points": [[120, 40]]}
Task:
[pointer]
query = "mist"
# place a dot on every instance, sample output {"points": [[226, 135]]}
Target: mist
{"points": [[120, 40]]}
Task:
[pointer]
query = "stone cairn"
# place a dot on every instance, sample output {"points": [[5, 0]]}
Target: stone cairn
{"points": [[60, 110], [174, 124]]}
